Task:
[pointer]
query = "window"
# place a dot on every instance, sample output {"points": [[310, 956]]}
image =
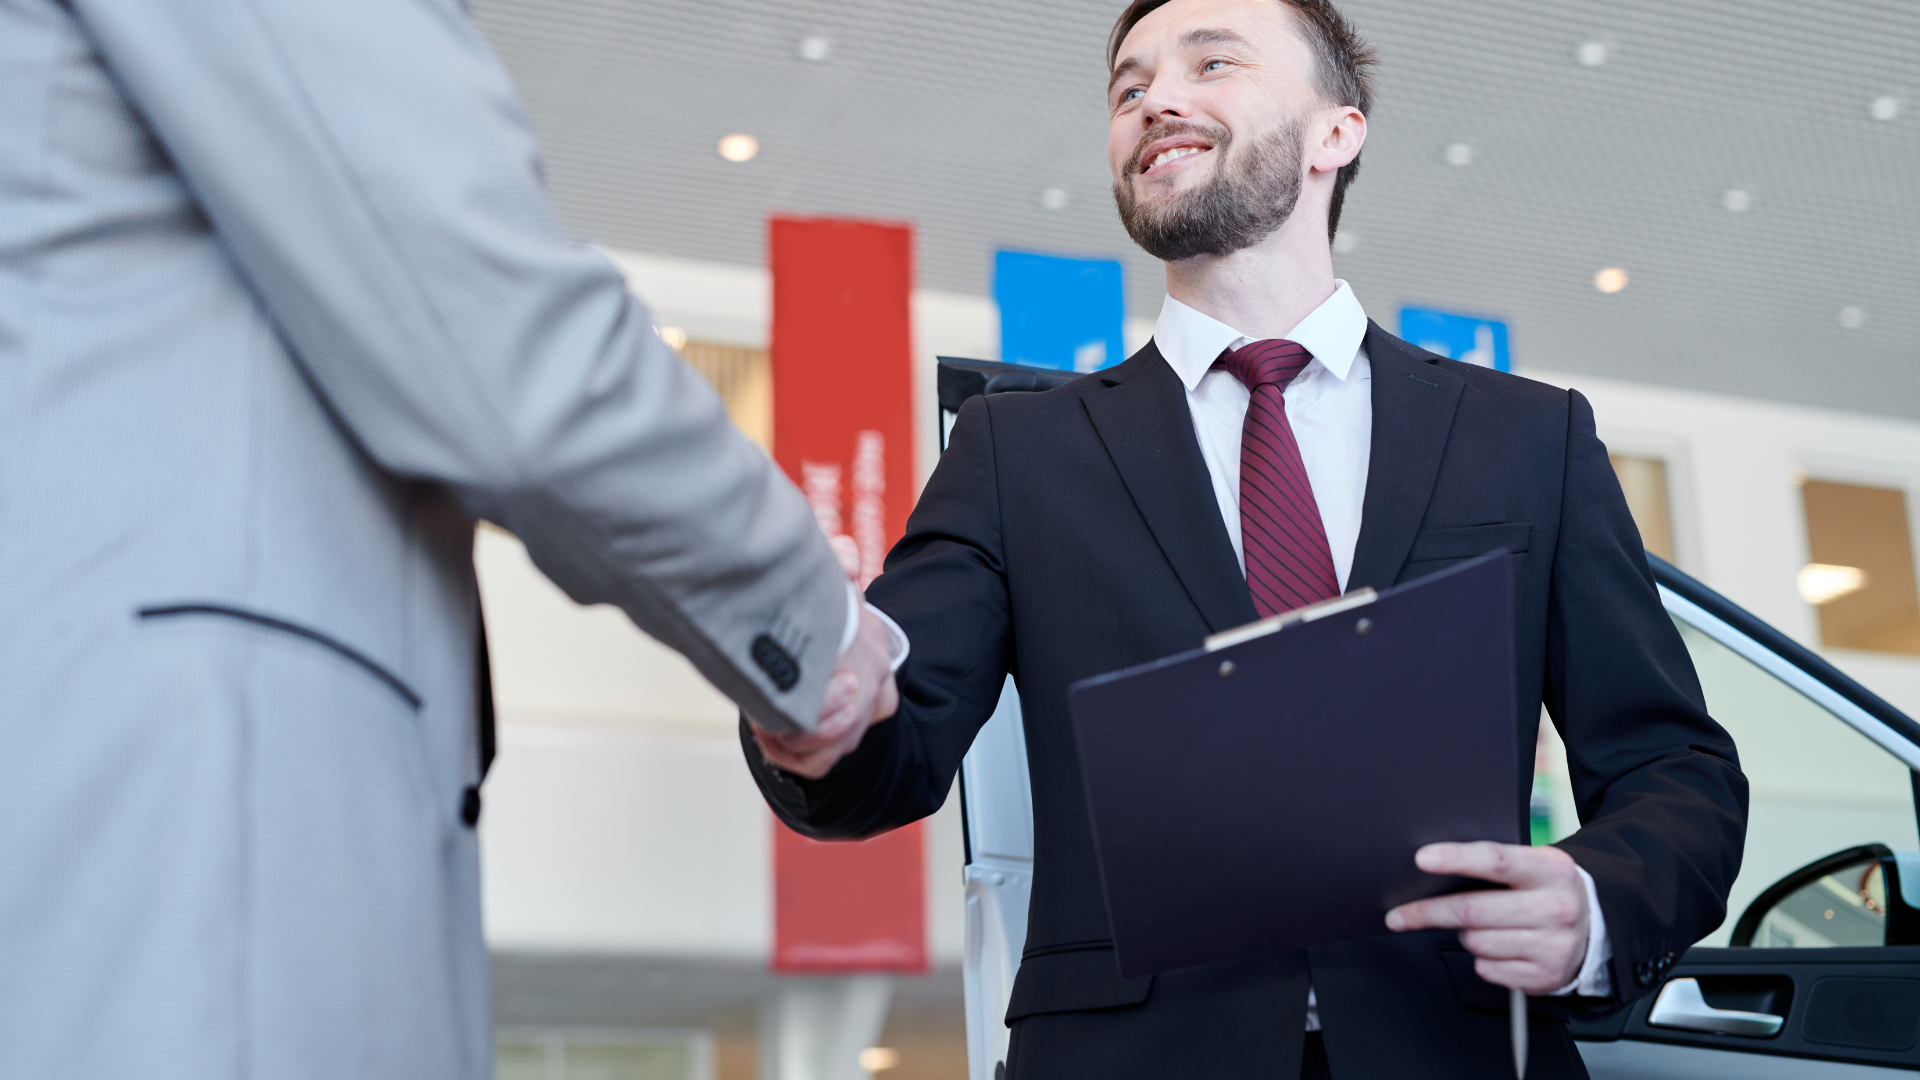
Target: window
{"points": [[744, 378], [1859, 571], [1644, 482]]}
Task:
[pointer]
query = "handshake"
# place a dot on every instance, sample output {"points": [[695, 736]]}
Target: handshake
{"points": [[860, 693]]}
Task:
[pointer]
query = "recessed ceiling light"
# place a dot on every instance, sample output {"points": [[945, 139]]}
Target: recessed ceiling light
{"points": [[1884, 108], [815, 48], [1053, 198], [739, 147], [1591, 53], [1459, 154], [1344, 242], [1610, 280], [675, 337], [879, 1058], [1853, 318], [1737, 199]]}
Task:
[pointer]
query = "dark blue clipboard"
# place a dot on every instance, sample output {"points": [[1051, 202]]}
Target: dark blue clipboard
{"points": [[1268, 792]]}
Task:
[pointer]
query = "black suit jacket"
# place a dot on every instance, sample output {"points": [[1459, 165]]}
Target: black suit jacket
{"points": [[1073, 532]]}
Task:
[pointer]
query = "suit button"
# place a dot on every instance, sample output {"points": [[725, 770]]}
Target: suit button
{"points": [[777, 662], [1643, 972]]}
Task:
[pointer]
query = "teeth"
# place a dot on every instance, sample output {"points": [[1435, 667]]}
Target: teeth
{"points": [[1169, 155]]}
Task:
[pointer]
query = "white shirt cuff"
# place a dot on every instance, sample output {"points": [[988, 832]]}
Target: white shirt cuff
{"points": [[898, 644], [854, 600], [1595, 978]]}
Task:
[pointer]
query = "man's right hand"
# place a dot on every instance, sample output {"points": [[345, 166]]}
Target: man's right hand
{"points": [[860, 693]]}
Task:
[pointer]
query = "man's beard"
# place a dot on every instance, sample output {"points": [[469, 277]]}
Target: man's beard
{"points": [[1248, 197]]}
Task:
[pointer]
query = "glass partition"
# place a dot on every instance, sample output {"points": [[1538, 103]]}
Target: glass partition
{"points": [[604, 1054]]}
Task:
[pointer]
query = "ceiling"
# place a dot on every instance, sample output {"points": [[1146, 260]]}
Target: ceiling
{"points": [[956, 117]]}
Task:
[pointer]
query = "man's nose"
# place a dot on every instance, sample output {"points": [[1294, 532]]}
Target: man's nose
{"points": [[1166, 97]]}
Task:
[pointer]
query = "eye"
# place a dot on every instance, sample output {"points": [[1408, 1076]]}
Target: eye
{"points": [[1131, 95], [1210, 65]]}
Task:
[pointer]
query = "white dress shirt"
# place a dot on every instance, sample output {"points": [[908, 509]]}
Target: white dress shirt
{"points": [[1330, 407], [896, 638]]}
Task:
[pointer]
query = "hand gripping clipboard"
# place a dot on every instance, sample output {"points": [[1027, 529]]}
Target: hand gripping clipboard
{"points": [[1268, 792]]}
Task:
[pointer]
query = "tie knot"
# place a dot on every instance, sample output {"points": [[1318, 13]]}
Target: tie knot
{"points": [[1273, 361]]}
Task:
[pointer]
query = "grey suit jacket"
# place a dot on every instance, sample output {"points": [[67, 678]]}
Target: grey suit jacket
{"points": [[283, 310]]}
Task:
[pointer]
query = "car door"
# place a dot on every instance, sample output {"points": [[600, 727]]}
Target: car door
{"points": [[996, 798], [1817, 973]]}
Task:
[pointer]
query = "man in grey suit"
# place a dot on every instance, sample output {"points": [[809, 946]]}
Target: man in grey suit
{"points": [[283, 311]]}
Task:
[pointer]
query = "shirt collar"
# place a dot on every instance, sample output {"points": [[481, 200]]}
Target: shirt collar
{"points": [[1191, 341]]}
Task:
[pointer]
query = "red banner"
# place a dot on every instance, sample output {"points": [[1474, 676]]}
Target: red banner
{"points": [[843, 430]]}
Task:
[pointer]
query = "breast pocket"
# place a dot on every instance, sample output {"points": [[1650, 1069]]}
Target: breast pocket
{"points": [[1435, 548]]}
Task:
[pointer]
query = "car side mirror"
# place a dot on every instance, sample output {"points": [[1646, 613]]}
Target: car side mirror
{"points": [[1856, 897]]}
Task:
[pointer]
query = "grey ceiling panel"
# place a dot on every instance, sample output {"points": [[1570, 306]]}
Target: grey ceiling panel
{"points": [[955, 117]]}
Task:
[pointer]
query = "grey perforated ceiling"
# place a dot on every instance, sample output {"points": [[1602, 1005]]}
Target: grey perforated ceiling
{"points": [[957, 117]]}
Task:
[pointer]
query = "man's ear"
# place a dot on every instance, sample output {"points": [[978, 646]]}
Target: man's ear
{"points": [[1338, 138]]}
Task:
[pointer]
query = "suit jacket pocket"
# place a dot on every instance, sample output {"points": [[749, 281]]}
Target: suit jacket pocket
{"points": [[1073, 980], [1470, 541], [267, 622]]}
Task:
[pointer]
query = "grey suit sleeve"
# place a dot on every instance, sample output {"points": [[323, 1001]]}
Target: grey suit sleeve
{"points": [[373, 176]]}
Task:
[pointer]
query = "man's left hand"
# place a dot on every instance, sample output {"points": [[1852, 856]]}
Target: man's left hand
{"points": [[1531, 936]]}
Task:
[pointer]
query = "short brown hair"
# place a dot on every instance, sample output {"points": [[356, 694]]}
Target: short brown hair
{"points": [[1343, 72]]}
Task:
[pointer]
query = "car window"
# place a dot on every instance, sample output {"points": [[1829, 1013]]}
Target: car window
{"points": [[1816, 784]]}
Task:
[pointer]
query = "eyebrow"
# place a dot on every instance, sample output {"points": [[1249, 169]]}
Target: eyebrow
{"points": [[1211, 35], [1205, 35], [1126, 68]]}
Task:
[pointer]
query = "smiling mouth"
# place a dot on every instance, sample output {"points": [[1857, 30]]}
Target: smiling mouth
{"points": [[1172, 154]]}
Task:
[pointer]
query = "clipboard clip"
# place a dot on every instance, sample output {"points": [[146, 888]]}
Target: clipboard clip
{"points": [[1274, 623]]}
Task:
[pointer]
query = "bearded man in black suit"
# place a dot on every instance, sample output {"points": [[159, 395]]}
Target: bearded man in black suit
{"points": [[1272, 447]]}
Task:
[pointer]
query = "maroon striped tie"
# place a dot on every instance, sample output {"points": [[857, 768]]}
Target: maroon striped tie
{"points": [[1289, 564]]}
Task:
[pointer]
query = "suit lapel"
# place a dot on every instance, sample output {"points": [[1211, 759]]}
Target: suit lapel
{"points": [[1414, 400], [1144, 422]]}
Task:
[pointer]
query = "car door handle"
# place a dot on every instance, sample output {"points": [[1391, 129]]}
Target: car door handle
{"points": [[1682, 1005]]}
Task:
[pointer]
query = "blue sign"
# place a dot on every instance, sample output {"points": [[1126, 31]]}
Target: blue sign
{"points": [[1467, 338], [1057, 312]]}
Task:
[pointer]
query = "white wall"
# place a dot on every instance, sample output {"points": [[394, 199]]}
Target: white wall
{"points": [[620, 817]]}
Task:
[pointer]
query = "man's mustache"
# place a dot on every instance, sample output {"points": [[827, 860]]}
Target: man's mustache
{"points": [[1219, 136]]}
